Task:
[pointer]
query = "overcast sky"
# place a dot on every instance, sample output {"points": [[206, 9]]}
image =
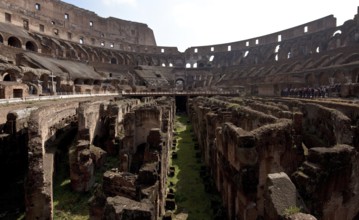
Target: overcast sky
{"points": [[186, 23]]}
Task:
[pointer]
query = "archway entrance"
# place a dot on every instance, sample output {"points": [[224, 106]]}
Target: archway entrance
{"points": [[31, 46], [180, 85], [14, 42]]}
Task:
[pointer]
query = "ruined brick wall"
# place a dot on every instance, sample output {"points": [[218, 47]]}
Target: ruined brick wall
{"points": [[141, 177], [79, 22], [244, 140], [42, 126]]}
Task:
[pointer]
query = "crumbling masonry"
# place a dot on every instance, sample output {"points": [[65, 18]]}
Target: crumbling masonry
{"points": [[283, 135]]}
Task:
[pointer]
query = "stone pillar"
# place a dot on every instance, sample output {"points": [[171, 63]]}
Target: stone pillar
{"points": [[82, 168]]}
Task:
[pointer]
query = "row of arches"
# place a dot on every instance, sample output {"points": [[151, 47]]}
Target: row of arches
{"points": [[16, 42], [86, 53], [304, 46]]}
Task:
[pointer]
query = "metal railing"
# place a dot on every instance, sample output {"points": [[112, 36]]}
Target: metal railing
{"points": [[60, 95], [174, 93]]}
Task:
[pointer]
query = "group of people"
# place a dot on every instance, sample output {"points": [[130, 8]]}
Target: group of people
{"points": [[310, 92]]}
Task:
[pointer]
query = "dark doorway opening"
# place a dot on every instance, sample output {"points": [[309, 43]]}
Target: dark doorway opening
{"points": [[181, 104], [17, 93]]}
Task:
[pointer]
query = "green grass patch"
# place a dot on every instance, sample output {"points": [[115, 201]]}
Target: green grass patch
{"points": [[291, 211], [189, 190]]}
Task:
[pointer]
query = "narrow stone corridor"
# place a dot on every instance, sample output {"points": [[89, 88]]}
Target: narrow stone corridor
{"points": [[191, 198]]}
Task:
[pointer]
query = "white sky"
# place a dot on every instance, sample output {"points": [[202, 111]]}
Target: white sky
{"points": [[186, 23]]}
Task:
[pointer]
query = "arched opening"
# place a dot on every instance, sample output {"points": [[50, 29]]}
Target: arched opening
{"points": [[44, 80], [289, 55], [88, 81], [113, 60], [246, 53], [14, 42], [188, 65], [7, 77], [78, 82], [211, 58], [276, 50], [33, 90], [201, 65], [179, 85], [338, 32], [31, 46]]}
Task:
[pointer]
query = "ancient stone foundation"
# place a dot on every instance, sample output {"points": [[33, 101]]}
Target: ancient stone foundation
{"points": [[136, 189], [270, 156]]}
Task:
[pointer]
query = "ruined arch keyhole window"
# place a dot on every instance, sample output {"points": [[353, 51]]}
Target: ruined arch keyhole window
{"points": [[211, 58], [188, 65], [279, 38], [276, 57], [195, 65], [196, 50], [37, 6], [66, 16], [162, 50], [338, 32], [91, 23], [246, 53], [247, 44], [102, 44], [170, 65], [56, 31], [212, 49], [317, 50], [179, 84], [81, 40], [229, 48], [112, 45], [163, 65], [305, 29], [257, 41], [289, 55], [276, 50]]}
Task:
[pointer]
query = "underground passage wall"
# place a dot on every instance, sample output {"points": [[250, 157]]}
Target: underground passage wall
{"points": [[252, 146]]}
